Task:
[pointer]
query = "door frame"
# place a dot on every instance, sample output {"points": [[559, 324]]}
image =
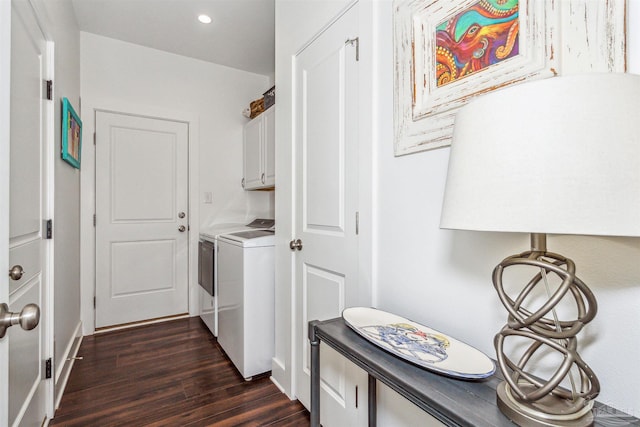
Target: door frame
{"points": [[88, 199]]}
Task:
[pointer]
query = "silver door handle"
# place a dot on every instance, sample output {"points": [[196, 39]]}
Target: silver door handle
{"points": [[182, 228], [262, 178], [28, 318], [242, 183], [181, 215], [16, 272], [295, 244]]}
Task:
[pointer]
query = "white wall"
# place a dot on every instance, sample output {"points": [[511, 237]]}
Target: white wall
{"points": [[62, 29], [440, 277], [128, 77], [633, 36]]}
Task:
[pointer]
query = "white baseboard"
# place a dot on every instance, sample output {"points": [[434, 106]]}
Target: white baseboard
{"points": [[279, 374], [63, 371], [273, 380]]}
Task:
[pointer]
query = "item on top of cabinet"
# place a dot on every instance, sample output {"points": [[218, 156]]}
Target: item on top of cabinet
{"points": [[419, 344], [269, 97], [257, 107], [247, 113]]}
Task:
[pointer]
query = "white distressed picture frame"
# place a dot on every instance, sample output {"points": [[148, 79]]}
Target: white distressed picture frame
{"points": [[424, 113]]}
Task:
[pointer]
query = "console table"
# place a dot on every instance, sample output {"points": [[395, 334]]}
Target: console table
{"points": [[453, 402]]}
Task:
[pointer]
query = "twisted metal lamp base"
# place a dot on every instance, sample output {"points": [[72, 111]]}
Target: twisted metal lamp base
{"points": [[523, 397], [526, 414]]}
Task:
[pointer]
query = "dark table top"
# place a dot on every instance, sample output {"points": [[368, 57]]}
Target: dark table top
{"points": [[454, 402]]}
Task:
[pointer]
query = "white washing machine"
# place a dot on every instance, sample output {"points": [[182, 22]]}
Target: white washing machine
{"points": [[246, 300], [207, 266]]}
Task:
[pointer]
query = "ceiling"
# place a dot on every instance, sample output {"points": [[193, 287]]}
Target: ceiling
{"points": [[241, 34]]}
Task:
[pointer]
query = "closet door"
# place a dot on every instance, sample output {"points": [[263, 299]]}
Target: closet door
{"points": [[326, 123]]}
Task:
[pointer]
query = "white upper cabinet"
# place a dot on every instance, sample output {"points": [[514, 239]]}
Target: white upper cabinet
{"points": [[269, 122], [259, 152]]}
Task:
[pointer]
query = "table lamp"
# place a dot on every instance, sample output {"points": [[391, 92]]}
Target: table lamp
{"points": [[553, 156]]}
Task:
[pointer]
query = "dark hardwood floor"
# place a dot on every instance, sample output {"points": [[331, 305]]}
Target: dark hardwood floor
{"points": [[168, 374]]}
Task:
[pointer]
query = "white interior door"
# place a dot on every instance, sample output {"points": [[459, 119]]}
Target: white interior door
{"points": [[326, 200], [142, 225], [28, 207]]}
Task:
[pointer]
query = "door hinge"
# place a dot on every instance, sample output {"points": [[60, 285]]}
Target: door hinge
{"points": [[50, 90], [47, 369], [49, 229], [94, 138], [94, 302], [94, 220], [357, 223], [355, 42], [356, 397]]}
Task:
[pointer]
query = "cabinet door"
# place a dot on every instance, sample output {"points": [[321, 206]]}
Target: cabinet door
{"points": [[253, 154], [344, 383], [269, 146]]}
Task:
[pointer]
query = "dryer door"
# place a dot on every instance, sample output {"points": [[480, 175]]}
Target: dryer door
{"points": [[205, 265]]}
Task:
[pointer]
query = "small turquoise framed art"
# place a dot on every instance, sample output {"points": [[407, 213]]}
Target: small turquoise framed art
{"points": [[71, 135]]}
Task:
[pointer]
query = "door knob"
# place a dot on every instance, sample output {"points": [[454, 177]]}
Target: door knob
{"points": [[28, 318], [182, 228], [16, 272], [181, 215], [295, 244]]}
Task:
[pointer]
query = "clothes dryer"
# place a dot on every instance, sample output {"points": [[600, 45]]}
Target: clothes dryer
{"points": [[207, 266], [246, 304]]}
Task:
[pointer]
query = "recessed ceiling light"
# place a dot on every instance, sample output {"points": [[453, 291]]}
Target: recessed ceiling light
{"points": [[205, 19]]}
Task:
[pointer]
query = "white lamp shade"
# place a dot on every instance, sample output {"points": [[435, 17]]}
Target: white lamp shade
{"points": [[560, 155]]}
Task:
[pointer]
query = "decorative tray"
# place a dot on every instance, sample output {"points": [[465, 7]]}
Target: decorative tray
{"points": [[419, 344]]}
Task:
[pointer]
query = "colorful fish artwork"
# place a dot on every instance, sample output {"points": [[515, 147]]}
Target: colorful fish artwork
{"points": [[411, 341], [482, 35]]}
